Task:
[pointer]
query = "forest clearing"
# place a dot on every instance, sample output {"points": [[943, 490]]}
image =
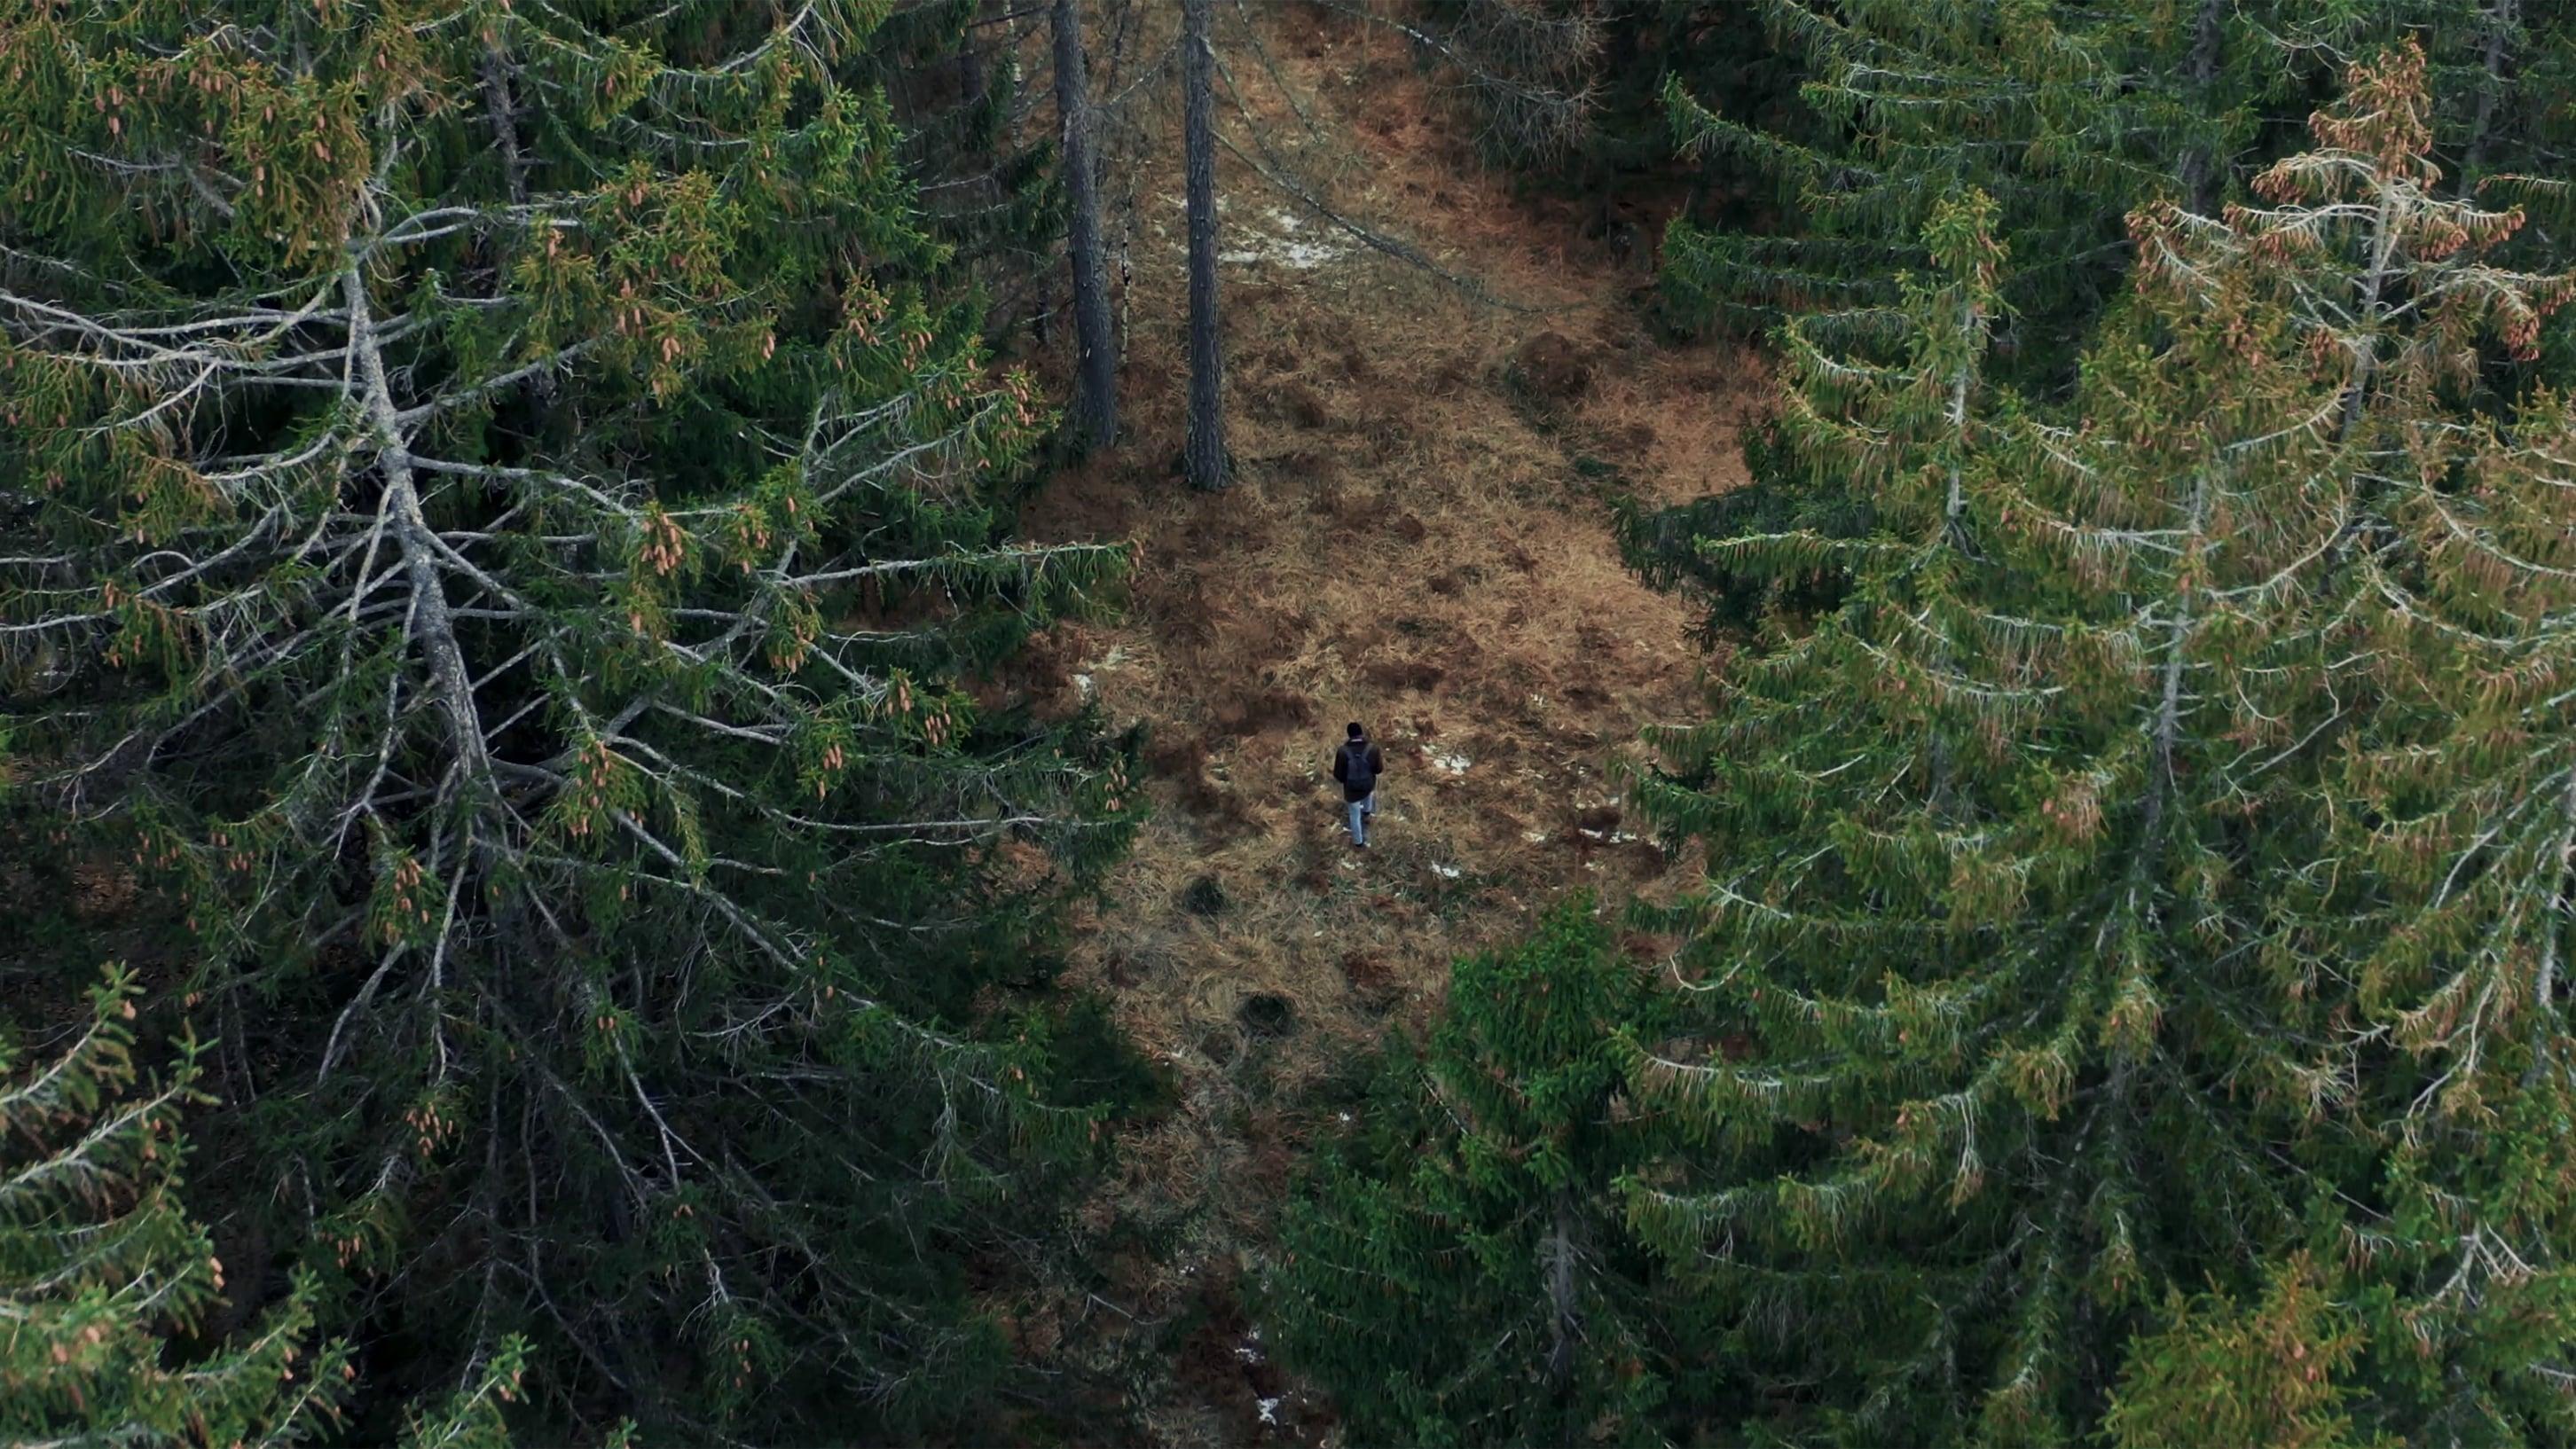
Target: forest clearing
{"points": [[673, 688], [1420, 538]]}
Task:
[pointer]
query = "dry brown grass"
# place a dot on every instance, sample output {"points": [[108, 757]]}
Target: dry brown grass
{"points": [[1410, 544]]}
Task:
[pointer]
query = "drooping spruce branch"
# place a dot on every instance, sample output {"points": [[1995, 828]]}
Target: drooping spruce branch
{"points": [[507, 545], [2097, 829]]}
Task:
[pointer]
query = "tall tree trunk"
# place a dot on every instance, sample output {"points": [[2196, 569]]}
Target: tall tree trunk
{"points": [[1095, 393], [2200, 163], [501, 112], [973, 86], [2501, 19], [1203, 458], [1565, 1323]]}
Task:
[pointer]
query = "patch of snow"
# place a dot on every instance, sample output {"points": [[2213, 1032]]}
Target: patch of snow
{"points": [[1272, 243], [1082, 682], [1535, 837], [1270, 1408], [1345, 1116], [1454, 764], [1445, 872], [1297, 255]]}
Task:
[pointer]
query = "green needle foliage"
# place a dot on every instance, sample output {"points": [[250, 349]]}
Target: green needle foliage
{"points": [[108, 1286], [2075, 977], [1459, 1272], [2069, 116], [988, 180], [100, 1264], [2270, 1373], [501, 537]]}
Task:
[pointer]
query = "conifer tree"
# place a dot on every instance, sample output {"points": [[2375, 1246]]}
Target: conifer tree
{"points": [[1907, 105], [1571, 93], [1459, 1271], [985, 176], [2027, 888], [1204, 460], [99, 1263], [101, 1267], [2071, 116], [2272, 1373], [2444, 904], [1527, 74], [498, 534], [1095, 399]]}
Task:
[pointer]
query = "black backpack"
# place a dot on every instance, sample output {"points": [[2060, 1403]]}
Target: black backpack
{"points": [[1357, 772]]}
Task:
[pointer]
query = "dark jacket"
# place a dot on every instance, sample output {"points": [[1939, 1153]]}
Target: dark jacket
{"points": [[1342, 759]]}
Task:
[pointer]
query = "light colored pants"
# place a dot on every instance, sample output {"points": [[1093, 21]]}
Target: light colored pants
{"points": [[1360, 811]]}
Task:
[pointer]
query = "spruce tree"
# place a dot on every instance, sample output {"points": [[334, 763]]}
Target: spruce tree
{"points": [[1204, 460], [986, 178], [500, 535], [1459, 1271], [2275, 1372], [2442, 910], [2071, 116], [2027, 887], [1570, 94], [1095, 393], [1528, 77], [109, 1287], [100, 1264]]}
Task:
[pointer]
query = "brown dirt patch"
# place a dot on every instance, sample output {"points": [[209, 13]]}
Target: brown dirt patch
{"points": [[1553, 368], [1371, 983]]}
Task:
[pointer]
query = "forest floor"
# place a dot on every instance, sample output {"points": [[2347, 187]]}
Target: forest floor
{"points": [[1418, 538]]}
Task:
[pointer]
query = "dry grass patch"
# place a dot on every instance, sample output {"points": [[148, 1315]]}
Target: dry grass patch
{"points": [[1413, 543]]}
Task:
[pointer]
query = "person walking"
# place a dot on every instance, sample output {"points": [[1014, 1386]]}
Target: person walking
{"points": [[1357, 764]]}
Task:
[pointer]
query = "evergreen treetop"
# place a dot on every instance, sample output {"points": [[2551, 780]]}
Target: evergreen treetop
{"points": [[502, 532], [2026, 884], [1458, 1272], [2071, 116]]}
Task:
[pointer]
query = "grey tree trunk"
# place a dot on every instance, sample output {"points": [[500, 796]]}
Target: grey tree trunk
{"points": [[1095, 392], [2199, 165], [1565, 1322], [2501, 19], [1203, 457], [502, 113]]}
